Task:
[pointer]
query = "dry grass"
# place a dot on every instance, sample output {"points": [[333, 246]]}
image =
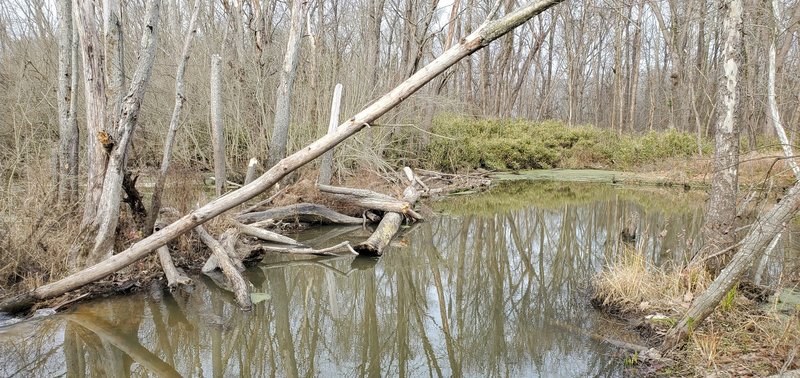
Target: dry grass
{"points": [[630, 285], [35, 232], [741, 338]]}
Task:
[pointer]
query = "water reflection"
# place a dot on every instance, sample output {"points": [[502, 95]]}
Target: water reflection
{"points": [[494, 287]]}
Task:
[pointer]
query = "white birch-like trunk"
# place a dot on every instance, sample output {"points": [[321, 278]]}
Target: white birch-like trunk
{"points": [[326, 165], [718, 230], [772, 104]]}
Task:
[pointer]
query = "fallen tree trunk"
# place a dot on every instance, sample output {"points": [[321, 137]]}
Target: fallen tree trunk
{"points": [[301, 212], [343, 246], [228, 242], [266, 235], [240, 288], [174, 277], [390, 223], [371, 200], [481, 37]]}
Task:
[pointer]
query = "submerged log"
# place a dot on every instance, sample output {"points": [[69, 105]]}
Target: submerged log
{"points": [[235, 279], [478, 39], [390, 223], [301, 212], [329, 251]]}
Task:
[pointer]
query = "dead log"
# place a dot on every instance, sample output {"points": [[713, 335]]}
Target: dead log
{"points": [[174, 277], [301, 212], [266, 235], [240, 287], [371, 200], [343, 246], [390, 223], [478, 39], [228, 242]]}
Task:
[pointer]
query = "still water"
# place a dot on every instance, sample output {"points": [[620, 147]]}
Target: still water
{"points": [[493, 285]]}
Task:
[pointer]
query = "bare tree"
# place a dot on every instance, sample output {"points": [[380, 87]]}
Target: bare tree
{"points": [[283, 100], [174, 122], [67, 105], [718, 230], [108, 143]]}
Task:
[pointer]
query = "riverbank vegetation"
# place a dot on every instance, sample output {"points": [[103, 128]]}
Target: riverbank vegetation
{"points": [[514, 144]]}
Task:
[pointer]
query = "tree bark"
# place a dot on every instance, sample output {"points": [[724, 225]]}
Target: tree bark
{"points": [[283, 100], [478, 39], [772, 104], [718, 230], [174, 122], [68, 126]]}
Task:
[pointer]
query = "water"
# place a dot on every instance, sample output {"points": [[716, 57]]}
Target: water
{"points": [[495, 285]]}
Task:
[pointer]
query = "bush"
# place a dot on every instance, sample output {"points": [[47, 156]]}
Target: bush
{"points": [[507, 144]]}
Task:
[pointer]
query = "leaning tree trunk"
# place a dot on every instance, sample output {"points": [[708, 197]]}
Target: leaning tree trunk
{"points": [[98, 232], [718, 230], [486, 33], [283, 100]]}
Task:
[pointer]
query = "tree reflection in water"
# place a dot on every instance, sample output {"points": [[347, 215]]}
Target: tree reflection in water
{"points": [[496, 286]]}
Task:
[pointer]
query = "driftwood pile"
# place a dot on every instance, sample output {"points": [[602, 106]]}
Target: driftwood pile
{"points": [[229, 252]]}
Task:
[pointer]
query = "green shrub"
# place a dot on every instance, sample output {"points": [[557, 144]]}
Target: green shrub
{"points": [[508, 144]]}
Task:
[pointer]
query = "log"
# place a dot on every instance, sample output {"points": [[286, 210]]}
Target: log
{"points": [[390, 223], [174, 277], [266, 235], [301, 212], [343, 246], [371, 200], [228, 243], [240, 287], [478, 39]]}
